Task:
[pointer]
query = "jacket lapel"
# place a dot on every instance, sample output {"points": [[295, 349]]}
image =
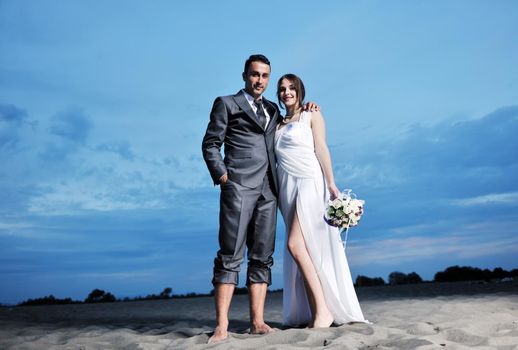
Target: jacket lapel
{"points": [[242, 102]]}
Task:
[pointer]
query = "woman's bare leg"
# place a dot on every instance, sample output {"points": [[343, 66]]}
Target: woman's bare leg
{"points": [[322, 317]]}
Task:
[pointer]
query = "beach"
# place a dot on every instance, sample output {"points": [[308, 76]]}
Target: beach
{"points": [[460, 315]]}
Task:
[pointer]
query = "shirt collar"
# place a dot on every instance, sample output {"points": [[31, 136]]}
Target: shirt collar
{"points": [[250, 98]]}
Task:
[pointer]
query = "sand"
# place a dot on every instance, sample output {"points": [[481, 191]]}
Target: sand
{"points": [[428, 316]]}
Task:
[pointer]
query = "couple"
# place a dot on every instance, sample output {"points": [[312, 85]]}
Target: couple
{"points": [[269, 158]]}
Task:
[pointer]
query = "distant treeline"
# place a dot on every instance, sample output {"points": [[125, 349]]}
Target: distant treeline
{"points": [[451, 274], [49, 300], [100, 296], [466, 273]]}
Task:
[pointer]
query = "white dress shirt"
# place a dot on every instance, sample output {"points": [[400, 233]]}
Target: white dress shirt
{"points": [[250, 100]]}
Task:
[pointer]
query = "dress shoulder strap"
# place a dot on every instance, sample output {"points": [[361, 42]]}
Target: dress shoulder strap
{"points": [[305, 117]]}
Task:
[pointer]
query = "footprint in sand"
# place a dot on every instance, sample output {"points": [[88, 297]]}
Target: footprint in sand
{"points": [[464, 338], [357, 328], [421, 328], [506, 329], [406, 343]]}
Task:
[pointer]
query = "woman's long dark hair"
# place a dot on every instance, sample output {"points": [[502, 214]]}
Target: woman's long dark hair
{"points": [[298, 86]]}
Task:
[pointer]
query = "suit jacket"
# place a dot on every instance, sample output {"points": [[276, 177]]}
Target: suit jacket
{"points": [[248, 148]]}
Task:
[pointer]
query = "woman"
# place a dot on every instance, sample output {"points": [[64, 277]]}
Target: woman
{"points": [[318, 288]]}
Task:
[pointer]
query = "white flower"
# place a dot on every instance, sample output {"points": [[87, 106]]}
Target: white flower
{"points": [[357, 202], [336, 203]]}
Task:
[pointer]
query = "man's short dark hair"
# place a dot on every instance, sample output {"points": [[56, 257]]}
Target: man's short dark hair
{"points": [[256, 58]]}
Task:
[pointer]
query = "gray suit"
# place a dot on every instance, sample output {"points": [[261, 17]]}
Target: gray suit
{"points": [[248, 204]]}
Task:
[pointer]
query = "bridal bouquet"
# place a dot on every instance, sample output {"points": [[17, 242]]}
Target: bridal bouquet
{"points": [[344, 211]]}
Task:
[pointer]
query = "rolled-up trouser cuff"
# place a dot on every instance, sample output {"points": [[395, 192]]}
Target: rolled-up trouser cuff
{"points": [[221, 276], [258, 275]]}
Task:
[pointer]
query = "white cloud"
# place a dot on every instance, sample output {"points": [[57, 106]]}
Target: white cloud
{"points": [[414, 229], [15, 229], [68, 199], [466, 241], [488, 199], [107, 182], [109, 177], [122, 275], [14, 225]]}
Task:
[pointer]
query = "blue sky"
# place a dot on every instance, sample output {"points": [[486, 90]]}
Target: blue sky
{"points": [[103, 107]]}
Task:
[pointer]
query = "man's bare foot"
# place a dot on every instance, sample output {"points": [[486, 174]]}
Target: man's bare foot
{"points": [[262, 328], [220, 334], [323, 321]]}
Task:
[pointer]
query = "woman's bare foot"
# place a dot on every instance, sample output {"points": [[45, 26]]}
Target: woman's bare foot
{"points": [[323, 320], [262, 328], [220, 334]]}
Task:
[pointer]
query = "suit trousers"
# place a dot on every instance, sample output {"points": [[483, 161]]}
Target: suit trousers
{"points": [[247, 217]]}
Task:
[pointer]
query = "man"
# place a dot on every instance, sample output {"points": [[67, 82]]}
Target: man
{"points": [[245, 124]]}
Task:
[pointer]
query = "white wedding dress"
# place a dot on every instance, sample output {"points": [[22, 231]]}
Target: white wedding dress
{"points": [[302, 187]]}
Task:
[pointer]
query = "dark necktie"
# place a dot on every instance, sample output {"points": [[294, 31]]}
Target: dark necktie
{"points": [[260, 112]]}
